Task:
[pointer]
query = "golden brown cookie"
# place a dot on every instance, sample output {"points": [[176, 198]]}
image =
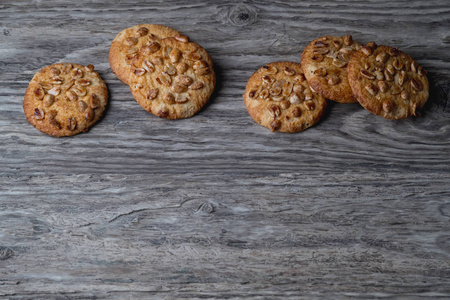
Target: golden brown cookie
{"points": [[324, 63], [129, 41], [172, 78], [388, 82], [278, 97], [64, 99]]}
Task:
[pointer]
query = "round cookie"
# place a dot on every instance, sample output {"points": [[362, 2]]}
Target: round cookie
{"points": [[278, 97], [324, 63], [388, 82], [64, 99], [172, 78], [128, 42]]}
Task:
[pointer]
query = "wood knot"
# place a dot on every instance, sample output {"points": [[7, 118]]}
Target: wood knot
{"points": [[242, 15], [5, 253], [206, 208]]}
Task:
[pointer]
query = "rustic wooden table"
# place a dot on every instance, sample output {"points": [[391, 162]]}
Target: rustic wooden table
{"points": [[216, 206]]}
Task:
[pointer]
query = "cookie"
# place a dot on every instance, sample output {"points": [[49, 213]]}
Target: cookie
{"points": [[278, 97], [65, 99], [129, 41], [388, 82], [172, 78], [324, 63]]}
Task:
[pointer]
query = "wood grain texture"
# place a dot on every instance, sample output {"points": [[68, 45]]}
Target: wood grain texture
{"points": [[216, 206]]}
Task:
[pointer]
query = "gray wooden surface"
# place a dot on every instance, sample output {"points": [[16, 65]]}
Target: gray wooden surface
{"points": [[216, 206]]}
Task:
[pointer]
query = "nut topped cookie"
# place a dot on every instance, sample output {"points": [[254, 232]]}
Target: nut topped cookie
{"points": [[324, 62], [388, 82], [278, 97], [172, 78], [64, 99], [128, 42]]}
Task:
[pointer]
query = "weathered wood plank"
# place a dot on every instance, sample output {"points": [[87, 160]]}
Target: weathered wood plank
{"points": [[216, 206]]}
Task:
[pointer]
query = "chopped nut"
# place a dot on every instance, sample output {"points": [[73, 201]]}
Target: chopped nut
{"points": [[79, 90], [383, 86], [72, 123], [152, 93], [182, 99], [148, 66], [175, 55], [298, 88], [152, 47], [336, 44], [339, 63], [308, 96], [388, 76], [165, 79], [274, 125], [55, 91], [54, 71], [196, 85], [89, 114], [297, 98], [368, 66], [348, 40], [321, 51], [299, 78], [371, 89], [346, 50], [266, 69], [202, 71], [278, 98], [83, 82], [55, 123], [179, 88], [89, 68], [367, 74], [157, 60], [82, 106], [39, 93], [395, 89], [289, 71], [51, 114], [193, 55], [421, 71], [393, 51], [333, 80], [390, 69], [170, 69], [321, 72], [382, 57], [56, 80], [200, 65], [141, 31], [182, 38], [76, 73], [169, 98], [131, 41], [185, 80], [94, 101], [67, 85], [310, 105], [405, 95], [296, 112], [285, 104], [275, 90], [139, 71], [320, 44], [416, 85], [264, 94], [366, 50], [274, 111], [317, 57], [253, 94], [388, 105], [268, 79], [379, 75], [287, 88], [397, 64], [49, 99], [401, 77], [182, 68], [39, 114], [71, 96]]}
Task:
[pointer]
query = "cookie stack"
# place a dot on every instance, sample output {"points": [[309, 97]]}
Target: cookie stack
{"points": [[383, 79], [168, 75]]}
